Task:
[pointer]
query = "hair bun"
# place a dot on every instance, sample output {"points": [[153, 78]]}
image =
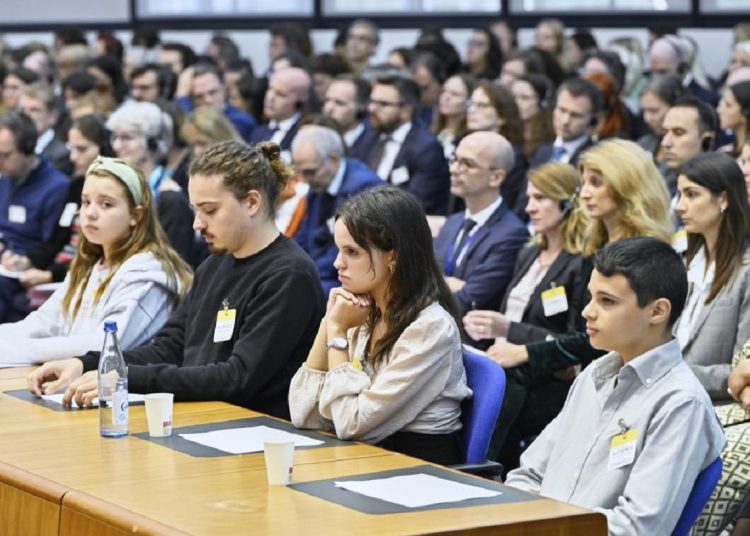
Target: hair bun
{"points": [[270, 150]]}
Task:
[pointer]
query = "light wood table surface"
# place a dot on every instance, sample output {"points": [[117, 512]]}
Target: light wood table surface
{"points": [[58, 476]]}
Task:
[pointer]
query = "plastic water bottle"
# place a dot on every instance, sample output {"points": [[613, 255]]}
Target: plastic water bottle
{"points": [[113, 386]]}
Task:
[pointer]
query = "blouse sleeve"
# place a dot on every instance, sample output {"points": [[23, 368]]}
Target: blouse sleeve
{"points": [[304, 394], [417, 372]]}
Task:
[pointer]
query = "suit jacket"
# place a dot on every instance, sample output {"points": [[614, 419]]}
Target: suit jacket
{"points": [[314, 234], [264, 133], [720, 330], [427, 177], [543, 155], [365, 144], [706, 95], [569, 271], [58, 155], [487, 266]]}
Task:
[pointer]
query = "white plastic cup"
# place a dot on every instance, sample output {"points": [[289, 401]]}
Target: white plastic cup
{"points": [[159, 414], [279, 457]]}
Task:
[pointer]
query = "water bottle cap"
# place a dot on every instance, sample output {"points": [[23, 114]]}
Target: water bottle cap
{"points": [[109, 326]]}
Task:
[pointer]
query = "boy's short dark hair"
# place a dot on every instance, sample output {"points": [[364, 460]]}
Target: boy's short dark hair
{"points": [[652, 267]]}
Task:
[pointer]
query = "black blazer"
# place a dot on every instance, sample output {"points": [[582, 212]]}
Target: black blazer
{"points": [[569, 271]]}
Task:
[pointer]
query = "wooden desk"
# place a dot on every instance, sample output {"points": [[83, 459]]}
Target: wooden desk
{"points": [[15, 372], [58, 476]]}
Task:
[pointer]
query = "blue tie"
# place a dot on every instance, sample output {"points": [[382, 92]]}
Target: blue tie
{"points": [[558, 151]]}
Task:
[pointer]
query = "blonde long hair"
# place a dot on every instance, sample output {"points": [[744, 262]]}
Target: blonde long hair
{"points": [[636, 187], [562, 182], [146, 236]]}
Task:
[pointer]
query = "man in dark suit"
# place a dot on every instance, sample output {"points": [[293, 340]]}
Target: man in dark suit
{"points": [[477, 249], [207, 89], [286, 98], [38, 102], [406, 154], [671, 55], [578, 107], [346, 103], [318, 155]]}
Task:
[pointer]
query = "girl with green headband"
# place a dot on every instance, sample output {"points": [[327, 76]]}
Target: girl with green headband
{"points": [[124, 270]]}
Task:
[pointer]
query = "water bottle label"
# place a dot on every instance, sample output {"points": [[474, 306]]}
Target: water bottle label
{"points": [[120, 407]]}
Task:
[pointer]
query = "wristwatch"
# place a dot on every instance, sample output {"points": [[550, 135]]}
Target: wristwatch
{"points": [[340, 343]]}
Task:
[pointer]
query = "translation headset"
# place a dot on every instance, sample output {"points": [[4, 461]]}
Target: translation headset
{"points": [[676, 44], [568, 205]]}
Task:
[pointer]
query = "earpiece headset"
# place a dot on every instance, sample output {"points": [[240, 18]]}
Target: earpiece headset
{"points": [[568, 205], [24, 131], [594, 121], [707, 143], [674, 41], [299, 106]]}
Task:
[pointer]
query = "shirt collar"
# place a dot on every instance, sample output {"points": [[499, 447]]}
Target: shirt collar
{"points": [[648, 367], [284, 124], [483, 215], [44, 140], [351, 136], [399, 135], [573, 145], [338, 179]]}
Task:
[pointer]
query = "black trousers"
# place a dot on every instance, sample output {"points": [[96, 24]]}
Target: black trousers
{"points": [[444, 449]]}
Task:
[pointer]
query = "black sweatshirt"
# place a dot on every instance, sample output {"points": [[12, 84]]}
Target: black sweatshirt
{"points": [[279, 304]]}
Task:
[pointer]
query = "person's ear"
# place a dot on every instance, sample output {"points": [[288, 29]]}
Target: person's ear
{"points": [[137, 216], [660, 311], [253, 201], [723, 202], [497, 177], [391, 261]]}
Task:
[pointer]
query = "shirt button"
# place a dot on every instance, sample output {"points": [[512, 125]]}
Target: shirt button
{"points": [[648, 381]]}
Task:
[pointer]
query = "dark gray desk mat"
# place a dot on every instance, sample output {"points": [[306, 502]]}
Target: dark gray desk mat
{"points": [[175, 442], [28, 396], [325, 489]]}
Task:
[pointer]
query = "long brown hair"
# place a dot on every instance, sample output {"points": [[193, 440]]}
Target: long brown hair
{"points": [[389, 219], [146, 236], [718, 172]]}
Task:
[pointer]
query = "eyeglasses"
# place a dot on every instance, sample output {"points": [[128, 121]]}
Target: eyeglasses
{"points": [[465, 164], [124, 138], [384, 104], [308, 173], [480, 105]]}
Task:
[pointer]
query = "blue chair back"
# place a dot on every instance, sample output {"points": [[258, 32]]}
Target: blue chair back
{"points": [[699, 495], [479, 413]]}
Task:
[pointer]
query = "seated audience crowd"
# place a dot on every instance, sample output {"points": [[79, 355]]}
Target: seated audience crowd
{"points": [[575, 211]]}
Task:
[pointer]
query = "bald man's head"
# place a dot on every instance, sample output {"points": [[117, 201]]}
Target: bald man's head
{"points": [[480, 164], [288, 93], [666, 55]]}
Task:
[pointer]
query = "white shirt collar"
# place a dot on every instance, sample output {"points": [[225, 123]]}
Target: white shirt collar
{"points": [[44, 140], [571, 146], [351, 136], [399, 135], [335, 186], [284, 124], [483, 215]]}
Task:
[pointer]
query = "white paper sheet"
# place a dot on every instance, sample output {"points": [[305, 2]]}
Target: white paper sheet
{"points": [[12, 365], [248, 439], [417, 490], [57, 398]]}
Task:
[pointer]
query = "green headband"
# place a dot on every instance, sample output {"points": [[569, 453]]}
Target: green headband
{"points": [[121, 170]]}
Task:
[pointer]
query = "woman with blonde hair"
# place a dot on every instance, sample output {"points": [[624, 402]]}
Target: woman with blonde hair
{"points": [[624, 194], [124, 270], [550, 267]]}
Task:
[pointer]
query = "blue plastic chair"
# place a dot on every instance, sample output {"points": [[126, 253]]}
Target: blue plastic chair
{"points": [[479, 413], [699, 495]]}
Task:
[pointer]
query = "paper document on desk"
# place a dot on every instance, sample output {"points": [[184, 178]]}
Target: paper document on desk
{"points": [[57, 399], [248, 439], [417, 490]]}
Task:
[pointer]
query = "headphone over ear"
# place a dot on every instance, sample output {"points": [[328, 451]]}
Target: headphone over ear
{"points": [[593, 121], [152, 144], [707, 143], [361, 113]]}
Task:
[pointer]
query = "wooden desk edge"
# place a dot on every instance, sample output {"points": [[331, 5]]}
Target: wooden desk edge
{"points": [[32, 483], [116, 516]]}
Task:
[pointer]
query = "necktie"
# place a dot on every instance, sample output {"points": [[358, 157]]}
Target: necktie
{"points": [[463, 235], [377, 154], [558, 151]]}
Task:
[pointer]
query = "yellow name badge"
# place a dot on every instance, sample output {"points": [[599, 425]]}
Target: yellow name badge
{"points": [[679, 241], [554, 301], [224, 324], [622, 449]]}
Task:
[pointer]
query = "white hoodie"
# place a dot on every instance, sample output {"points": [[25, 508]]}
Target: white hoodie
{"points": [[139, 298]]}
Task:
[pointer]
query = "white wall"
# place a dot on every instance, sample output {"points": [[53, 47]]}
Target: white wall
{"points": [[715, 44]]}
